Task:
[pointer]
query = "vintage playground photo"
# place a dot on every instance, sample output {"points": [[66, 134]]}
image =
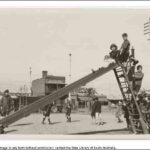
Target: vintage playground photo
{"points": [[74, 71]]}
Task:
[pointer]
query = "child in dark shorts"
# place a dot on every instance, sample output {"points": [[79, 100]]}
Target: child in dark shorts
{"points": [[46, 112]]}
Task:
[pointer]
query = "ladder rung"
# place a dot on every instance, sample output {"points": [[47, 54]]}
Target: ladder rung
{"points": [[139, 130], [124, 85], [134, 114], [119, 67], [119, 71], [135, 119], [125, 88], [123, 82]]}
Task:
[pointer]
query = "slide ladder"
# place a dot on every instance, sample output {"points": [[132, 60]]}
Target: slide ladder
{"points": [[55, 96], [137, 123]]}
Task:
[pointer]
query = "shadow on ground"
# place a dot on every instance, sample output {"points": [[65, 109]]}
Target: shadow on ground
{"points": [[23, 124], [10, 131], [75, 121], [100, 132], [55, 123]]}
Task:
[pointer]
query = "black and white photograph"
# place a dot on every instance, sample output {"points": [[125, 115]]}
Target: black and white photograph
{"points": [[74, 71]]}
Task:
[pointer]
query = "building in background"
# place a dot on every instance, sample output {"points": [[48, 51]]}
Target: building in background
{"points": [[47, 84], [82, 99]]}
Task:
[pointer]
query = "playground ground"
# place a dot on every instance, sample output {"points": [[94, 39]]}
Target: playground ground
{"points": [[81, 125]]}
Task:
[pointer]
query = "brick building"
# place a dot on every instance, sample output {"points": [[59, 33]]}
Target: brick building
{"points": [[47, 84]]}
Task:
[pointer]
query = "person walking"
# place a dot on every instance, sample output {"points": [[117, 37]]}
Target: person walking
{"points": [[46, 113], [96, 112]]}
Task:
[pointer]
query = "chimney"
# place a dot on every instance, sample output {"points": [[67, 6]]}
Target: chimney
{"points": [[44, 74]]}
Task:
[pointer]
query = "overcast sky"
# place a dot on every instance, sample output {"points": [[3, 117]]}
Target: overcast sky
{"points": [[43, 38]]}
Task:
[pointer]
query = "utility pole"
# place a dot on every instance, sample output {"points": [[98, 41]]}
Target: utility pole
{"points": [[70, 74], [30, 72], [147, 29]]}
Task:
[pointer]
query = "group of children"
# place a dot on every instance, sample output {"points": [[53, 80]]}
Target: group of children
{"points": [[123, 56], [48, 109]]}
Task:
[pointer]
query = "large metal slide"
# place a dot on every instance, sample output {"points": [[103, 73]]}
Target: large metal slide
{"points": [[54, 96], [123, 85]]}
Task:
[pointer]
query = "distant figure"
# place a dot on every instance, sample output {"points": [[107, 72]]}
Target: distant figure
{"points": [[68, 112], [138, 77], [1, 113], [96, 112], [46, 113], [119, 112], [93, 110], [6, 103]]}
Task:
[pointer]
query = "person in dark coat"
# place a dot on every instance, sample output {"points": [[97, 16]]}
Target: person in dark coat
{"points": [[96, 112], [68, 112], [46, 113], [6, 103]]}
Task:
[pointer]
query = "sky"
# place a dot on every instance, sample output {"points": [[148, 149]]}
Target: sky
{"points": [[43, 38]]}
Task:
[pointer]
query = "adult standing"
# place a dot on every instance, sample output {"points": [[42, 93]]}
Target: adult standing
{"points": [[6, 103]]}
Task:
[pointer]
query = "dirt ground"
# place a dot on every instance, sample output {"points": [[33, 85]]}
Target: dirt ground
{"points": [[81, 125]]}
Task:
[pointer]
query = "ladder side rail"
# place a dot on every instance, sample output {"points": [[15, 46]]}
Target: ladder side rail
{"points": [[143, 124], [124, 97], [119, 84]]}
